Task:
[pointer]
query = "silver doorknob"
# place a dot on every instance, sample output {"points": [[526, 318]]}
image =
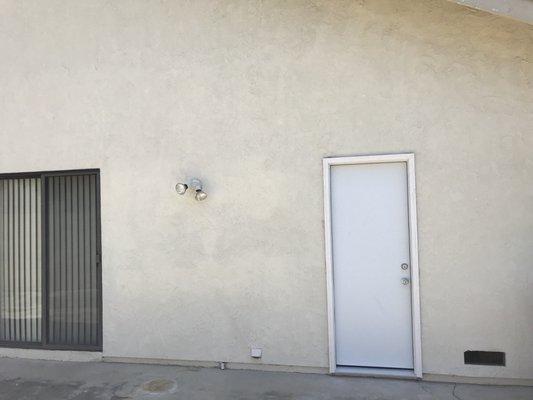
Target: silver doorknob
{"points": [[405, 281], [405, 266]]}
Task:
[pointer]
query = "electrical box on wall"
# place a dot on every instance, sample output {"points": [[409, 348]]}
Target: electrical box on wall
{"points": [[256, 352]]}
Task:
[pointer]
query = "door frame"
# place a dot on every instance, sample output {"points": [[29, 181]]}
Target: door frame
{"points": [[43, 344], [409, 159]]}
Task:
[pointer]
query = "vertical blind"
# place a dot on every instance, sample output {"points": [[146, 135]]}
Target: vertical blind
{"points": [[65, 253], [72, 260], [20, 260]]}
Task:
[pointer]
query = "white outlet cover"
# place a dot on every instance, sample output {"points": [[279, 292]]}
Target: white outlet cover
{"points": [[256, 353]]}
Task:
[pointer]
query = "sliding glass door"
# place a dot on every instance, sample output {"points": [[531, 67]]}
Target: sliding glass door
{"points": [[50, 269]]}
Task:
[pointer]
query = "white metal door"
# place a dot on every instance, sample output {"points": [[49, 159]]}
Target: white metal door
{"points": [[371, 265]]}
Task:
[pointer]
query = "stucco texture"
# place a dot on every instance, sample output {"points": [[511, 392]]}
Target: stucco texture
{"points": [[250, 96]]}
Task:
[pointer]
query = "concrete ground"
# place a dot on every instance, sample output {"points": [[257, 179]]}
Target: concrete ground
{"points": [[52, 380]]}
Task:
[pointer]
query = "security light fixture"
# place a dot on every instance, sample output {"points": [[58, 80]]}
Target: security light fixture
{"points": [[200, 195], [196, 185], [181, 188]]}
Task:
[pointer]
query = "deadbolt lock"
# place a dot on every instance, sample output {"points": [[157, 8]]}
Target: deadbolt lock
{"points": [[405, 266]]}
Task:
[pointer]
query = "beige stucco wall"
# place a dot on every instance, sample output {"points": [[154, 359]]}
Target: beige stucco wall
{"points": [[250, 96]]}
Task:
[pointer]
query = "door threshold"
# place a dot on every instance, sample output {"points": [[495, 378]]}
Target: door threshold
{"points": [[376, 372]]}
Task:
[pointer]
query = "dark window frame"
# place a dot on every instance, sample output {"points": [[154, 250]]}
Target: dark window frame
{"points": [[44, 344]]}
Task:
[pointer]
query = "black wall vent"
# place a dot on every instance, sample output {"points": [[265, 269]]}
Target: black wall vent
{"points": [[485, 357]]}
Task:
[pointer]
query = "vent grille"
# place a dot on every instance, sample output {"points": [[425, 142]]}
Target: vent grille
{"points": [[476, 357]]}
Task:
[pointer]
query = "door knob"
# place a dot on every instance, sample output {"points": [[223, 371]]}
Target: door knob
{"points": [[405, 281]]}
